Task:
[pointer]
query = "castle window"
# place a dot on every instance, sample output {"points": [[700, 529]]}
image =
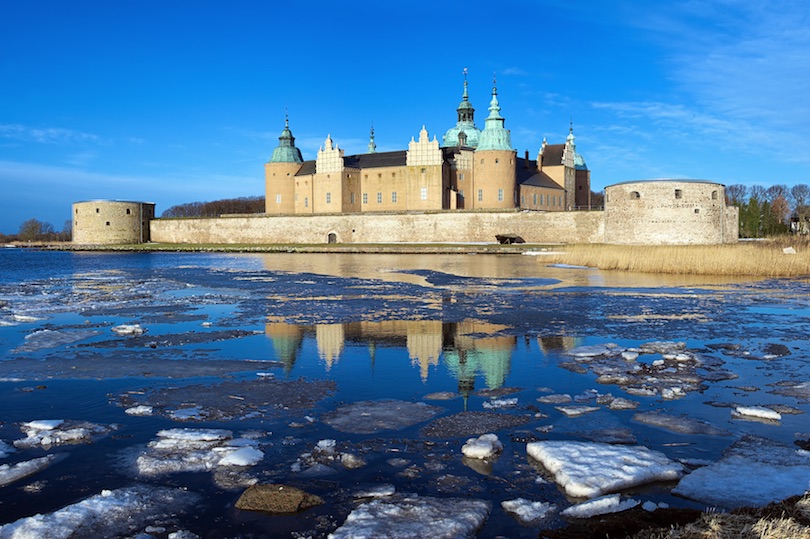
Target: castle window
{"points": [[365, 176], [351, 198], [348, 176], [534, 199], [678, 193], [306, 202], [365, 198], [96, 210], [424, 192], [511, 162], [423, 170], [635, 194], [287, 174], [697, 210], [480, 195], [379, 198], [108, 223], [379, 175], [497, 160], [278, 199], [328, 198], [461, 177], [714, 195], [500, 195], [328, 175], [128, 212], [77, 211], [394, 197]]}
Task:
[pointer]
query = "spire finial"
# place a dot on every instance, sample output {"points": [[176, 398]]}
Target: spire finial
{"points": [[494, 83], [372, 147], [286, 118], [571, 125], [465, 96]]}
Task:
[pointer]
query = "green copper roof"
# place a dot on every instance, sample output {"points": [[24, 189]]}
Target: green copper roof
{"points": [[286, 152], [494, 136], [464, 133], [372, 147]]}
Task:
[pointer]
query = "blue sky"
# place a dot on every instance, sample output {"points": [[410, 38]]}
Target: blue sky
{"points": [[182, 101]]}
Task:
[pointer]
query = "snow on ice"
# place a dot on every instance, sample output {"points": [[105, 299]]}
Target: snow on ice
{"points": [[589, 469], [14, 472], [49, 432], [414, 516], [527, 511], [599, 506], [753, 472], [756, 412], [108, 514], [485, 446]]}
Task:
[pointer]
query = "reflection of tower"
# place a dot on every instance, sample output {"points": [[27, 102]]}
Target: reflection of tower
{"points": [[490, 356], [557, 342], [286, 339], [330, 339], [424, 344]]}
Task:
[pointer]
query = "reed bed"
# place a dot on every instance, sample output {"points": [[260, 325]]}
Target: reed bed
{"points": [[765, 258]]}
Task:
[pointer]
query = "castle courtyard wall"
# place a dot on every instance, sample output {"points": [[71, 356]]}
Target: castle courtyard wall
{"points": [[438, 227]]}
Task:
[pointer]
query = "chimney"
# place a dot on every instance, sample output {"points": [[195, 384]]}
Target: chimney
{"points": [[526, 162]]}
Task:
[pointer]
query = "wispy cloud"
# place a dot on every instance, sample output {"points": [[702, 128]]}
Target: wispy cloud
{"points": [[514, 71], [46, 135]]}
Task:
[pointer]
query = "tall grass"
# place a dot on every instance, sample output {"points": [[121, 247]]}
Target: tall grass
{"points": [[764, 258]]}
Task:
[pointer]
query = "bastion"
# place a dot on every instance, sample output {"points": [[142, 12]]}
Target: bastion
{"points": [[110, 222]]}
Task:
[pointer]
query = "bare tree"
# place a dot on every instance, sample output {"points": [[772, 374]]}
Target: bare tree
{"points": [[735, 194]]}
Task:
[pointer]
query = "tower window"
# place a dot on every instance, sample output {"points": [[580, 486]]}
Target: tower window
{"points": [[379, 198], [351, 198], [96, 210], [678, 193], [714, 195], [108, 223], [278, 199], [500, 195], [480, 195], [328, 198], [534, 199], [424, 193], [461, 177], [697, 210], [365, 198], [306, 202], [423, 170], [497, 160], [128, 212], [636, 194], [394, 197]]}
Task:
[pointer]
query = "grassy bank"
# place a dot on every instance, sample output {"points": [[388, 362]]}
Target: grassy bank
{"points": [[764, 258]]}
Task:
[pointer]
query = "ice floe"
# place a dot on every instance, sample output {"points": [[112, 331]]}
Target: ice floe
{"points": [[527, 511], [50, 432], [407, 517], [679, 424], [44, 339], [589, 469], [753, 472], [599, 506], [14, 472], [486, 446], [756, 412], [128, 329], [196, 450], [139, 410], [112, 513], [367, 417], [574, 411], [5, 449], [500, 403]]}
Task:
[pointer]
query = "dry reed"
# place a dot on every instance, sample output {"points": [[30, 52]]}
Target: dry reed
{"points": [[765, 258]]}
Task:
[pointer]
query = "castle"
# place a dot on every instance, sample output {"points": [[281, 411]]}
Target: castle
{"points": [[471, 187], [471, 169]]}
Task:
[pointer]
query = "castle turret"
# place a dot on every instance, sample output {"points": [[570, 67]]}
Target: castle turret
{"points": [[279, 174], [464, 133], [494, 163]]}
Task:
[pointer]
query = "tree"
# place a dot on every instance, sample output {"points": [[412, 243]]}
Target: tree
{"points": [[735, 194], [67, 231], [800, 194]]}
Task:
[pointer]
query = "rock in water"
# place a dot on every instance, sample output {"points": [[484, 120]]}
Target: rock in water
{"points": [[276, 499]]}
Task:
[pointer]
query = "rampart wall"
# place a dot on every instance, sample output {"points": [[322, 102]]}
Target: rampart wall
{"points": [[438, 227]]}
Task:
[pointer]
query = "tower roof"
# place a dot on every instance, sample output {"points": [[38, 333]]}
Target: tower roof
{"points": [[286, 152], [464, 133], [495, 136]]}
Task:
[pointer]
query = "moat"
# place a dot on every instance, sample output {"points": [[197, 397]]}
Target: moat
{"points": [[154, 388]]}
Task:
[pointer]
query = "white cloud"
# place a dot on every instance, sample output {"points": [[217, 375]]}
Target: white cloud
{"points": [[47, 135]]}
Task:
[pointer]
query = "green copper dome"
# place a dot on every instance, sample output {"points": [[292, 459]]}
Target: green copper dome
{"points": [[464, 133], [286, 152], [494, 136]]}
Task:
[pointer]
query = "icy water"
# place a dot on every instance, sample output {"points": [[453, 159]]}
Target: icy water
{"points": [[350, 375]]}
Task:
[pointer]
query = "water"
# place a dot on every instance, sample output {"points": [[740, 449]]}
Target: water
{"points": [[228, 337]]}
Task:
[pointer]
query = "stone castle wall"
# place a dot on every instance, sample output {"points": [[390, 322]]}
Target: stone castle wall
{"points": [[112, 221], [669, 212], [429, 227]]}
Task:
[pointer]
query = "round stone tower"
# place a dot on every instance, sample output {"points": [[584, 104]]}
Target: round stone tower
{"points": [[109, 222], [279, 174]]}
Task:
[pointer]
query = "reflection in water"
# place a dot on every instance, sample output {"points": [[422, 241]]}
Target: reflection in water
{"points": [[467, 349]]}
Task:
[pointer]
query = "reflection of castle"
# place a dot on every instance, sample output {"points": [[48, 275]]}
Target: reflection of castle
{"points": [[468, 349]]}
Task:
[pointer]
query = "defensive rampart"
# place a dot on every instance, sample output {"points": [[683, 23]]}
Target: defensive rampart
{"points": [[439, 227]]}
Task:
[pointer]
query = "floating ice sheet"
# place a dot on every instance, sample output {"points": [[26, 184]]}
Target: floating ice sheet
{"points": [[589, 469], [14, 472], [527, 511], [109, 514], [367, 417], [414, 516], [599, 506]]}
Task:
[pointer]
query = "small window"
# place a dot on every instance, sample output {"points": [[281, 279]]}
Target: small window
{"points": [[365, 176], [424, 193], [697, 210], [365, 198], [500, 195], [480, 195], [534, 199], [393, 174], [394, 197], [351, 198], [461, 177], [424, 170], [77, 211], [128, 212], [108, 223], [328, 198], [348, 176], [635, 194], [328, 175], [96, 210], [287, 174], [714, 195], [306, 202], [278, 199], [380, 175], [379, 198], [678, 193], [497, 160]]}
